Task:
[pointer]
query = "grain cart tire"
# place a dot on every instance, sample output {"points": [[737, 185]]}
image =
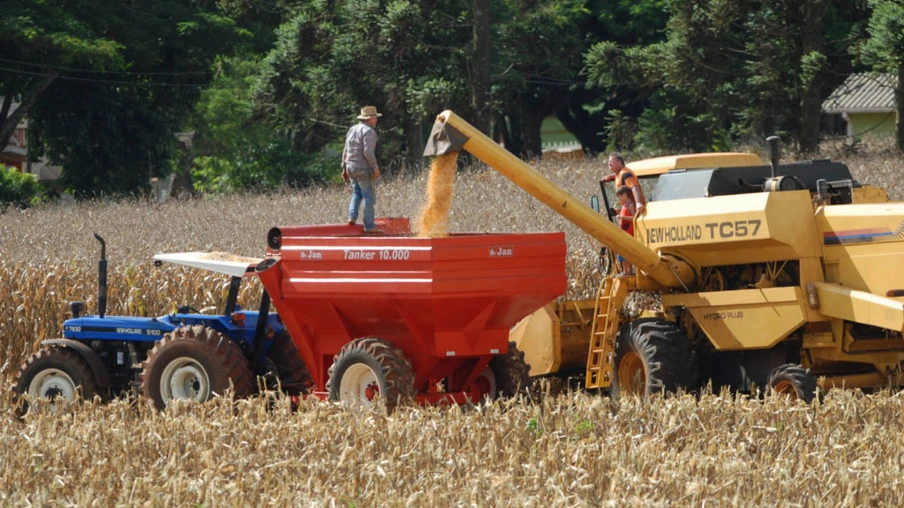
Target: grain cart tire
{"points": [[652, 356], [294, 377], [793, 381], [194, 363], [368, 368], [486, 382], [511, 372], [53, 372]]}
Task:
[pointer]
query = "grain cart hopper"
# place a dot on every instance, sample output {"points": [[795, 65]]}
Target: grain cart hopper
{"points": [[403, 317], [182, 355], [782, 276]]}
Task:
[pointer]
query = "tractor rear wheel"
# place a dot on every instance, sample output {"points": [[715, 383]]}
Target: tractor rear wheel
{"points": [[294, 377], [194, 363], [511, 372], [652, 356], [793, 381], [53, 373], [370, 369]]}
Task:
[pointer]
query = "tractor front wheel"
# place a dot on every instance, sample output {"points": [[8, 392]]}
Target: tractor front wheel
{"points": [[194, 363], [55, 373], [370, 369], [652, 356], [793, 381]]}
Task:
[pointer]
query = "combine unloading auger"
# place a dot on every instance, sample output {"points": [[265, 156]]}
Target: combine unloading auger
{"points": [[451, 133]]}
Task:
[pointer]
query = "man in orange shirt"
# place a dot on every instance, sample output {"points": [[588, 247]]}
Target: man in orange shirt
{"points": [[624, 177]]}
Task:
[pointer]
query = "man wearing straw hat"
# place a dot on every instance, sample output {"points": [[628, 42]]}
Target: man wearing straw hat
{"points": [[359, 165]]}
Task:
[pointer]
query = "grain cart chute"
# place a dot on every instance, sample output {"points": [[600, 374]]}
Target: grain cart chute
{"points": [[775, 276]]}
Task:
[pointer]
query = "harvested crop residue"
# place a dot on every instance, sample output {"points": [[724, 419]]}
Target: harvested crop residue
{"points": [[434, 218], [225, 256]]}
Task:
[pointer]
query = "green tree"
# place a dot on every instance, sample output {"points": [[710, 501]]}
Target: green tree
{"points": [[536, 57], [732, 69], [119, 82], [592, 108], [331, 58], [17, 188], [235, 150], [883, 51], [37, 39]]}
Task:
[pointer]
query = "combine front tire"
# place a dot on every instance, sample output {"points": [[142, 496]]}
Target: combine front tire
{"points": [[54, 373], [194, 363], [793, 381], [368, 369], [652, 356]]}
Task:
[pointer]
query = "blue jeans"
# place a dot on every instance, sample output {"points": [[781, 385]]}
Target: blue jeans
{"points": [[362, 189]]}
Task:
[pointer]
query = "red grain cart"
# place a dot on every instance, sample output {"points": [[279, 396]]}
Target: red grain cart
{"points": [[403, 317]]}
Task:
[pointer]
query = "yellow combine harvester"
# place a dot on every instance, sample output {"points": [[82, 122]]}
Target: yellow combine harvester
{"points": [[779, 276]]}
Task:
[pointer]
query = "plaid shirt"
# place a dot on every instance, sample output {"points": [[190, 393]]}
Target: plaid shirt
{"points": [[359, 148]]}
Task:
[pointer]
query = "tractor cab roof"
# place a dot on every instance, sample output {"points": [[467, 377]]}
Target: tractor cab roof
{"points": [[220, 262], [662, 165]]}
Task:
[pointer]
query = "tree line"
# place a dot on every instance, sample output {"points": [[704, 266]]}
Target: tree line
{"points": [[268, 87]]}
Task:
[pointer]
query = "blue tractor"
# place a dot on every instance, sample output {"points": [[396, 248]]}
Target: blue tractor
{"points": [[184, 355]]}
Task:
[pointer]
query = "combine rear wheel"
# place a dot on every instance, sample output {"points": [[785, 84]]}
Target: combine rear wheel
{"points": [[652, 356], [370, 369], [55, 373], [294, 377], [194, 363], [793, 381]]}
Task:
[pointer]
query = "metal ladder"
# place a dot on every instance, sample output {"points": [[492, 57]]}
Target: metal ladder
{"points": [[601, 358]]}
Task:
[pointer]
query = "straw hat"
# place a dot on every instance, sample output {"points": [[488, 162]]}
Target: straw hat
{"points": [[369, 112]]}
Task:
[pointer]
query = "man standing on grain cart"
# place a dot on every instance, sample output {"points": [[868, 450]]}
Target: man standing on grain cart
{"points": [[359, 165], [625, 177]]}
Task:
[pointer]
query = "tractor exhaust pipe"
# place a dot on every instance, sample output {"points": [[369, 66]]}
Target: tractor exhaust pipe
{"points": [[775, 152], [102, 277]]}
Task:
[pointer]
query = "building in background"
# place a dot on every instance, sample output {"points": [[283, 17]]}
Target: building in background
{"points": [[866, 104], [556, 139], [15, 153]]}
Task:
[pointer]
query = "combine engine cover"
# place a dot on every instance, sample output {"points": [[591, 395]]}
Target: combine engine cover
{"points": [[748, 228]]}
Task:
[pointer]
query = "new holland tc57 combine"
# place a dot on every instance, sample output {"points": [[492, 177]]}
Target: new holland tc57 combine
{"points": [[783, 277]]}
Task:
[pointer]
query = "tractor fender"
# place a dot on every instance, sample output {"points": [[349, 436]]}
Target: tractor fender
{"points": [[101, 376]]}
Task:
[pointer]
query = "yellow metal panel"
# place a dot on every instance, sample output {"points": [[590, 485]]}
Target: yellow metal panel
{"points": [[732, 298], [661, 165], [744, 319], [811, 271], [538, 337], [866, 242], [726, 230], [576, 321], [821, 339], [860, 307], [869, 194]]}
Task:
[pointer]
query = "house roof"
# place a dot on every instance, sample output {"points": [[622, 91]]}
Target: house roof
{"points": [[863, 93]]}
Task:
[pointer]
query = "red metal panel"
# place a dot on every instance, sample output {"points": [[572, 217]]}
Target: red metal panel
{"points": [[453, 298]]}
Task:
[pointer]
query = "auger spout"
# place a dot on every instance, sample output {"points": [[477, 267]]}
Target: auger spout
{"points": [[451, 133]]}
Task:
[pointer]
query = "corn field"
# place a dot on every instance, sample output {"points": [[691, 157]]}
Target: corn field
{"points": [[573, 448]]}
